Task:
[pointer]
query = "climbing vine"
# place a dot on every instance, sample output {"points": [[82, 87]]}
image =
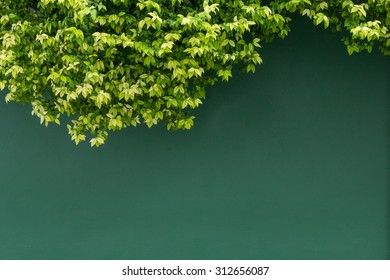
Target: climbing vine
{"points": [[111, 64]]}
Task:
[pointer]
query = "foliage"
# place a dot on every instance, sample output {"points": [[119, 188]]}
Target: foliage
{"points": [[110, 64]]}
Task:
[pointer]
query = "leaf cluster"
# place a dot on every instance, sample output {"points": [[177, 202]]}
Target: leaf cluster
{"points": [[111, 64]]}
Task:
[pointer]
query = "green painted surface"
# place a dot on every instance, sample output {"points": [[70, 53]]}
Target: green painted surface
{"points": [[300, 170]]}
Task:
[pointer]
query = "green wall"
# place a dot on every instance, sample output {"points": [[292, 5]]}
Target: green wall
{"points": [[289, 163]]}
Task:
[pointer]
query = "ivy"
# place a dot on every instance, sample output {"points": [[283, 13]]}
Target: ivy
{"points": [[112, 64]]}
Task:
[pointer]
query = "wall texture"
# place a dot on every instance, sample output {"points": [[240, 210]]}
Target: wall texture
{"points": [[289, 163]]}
